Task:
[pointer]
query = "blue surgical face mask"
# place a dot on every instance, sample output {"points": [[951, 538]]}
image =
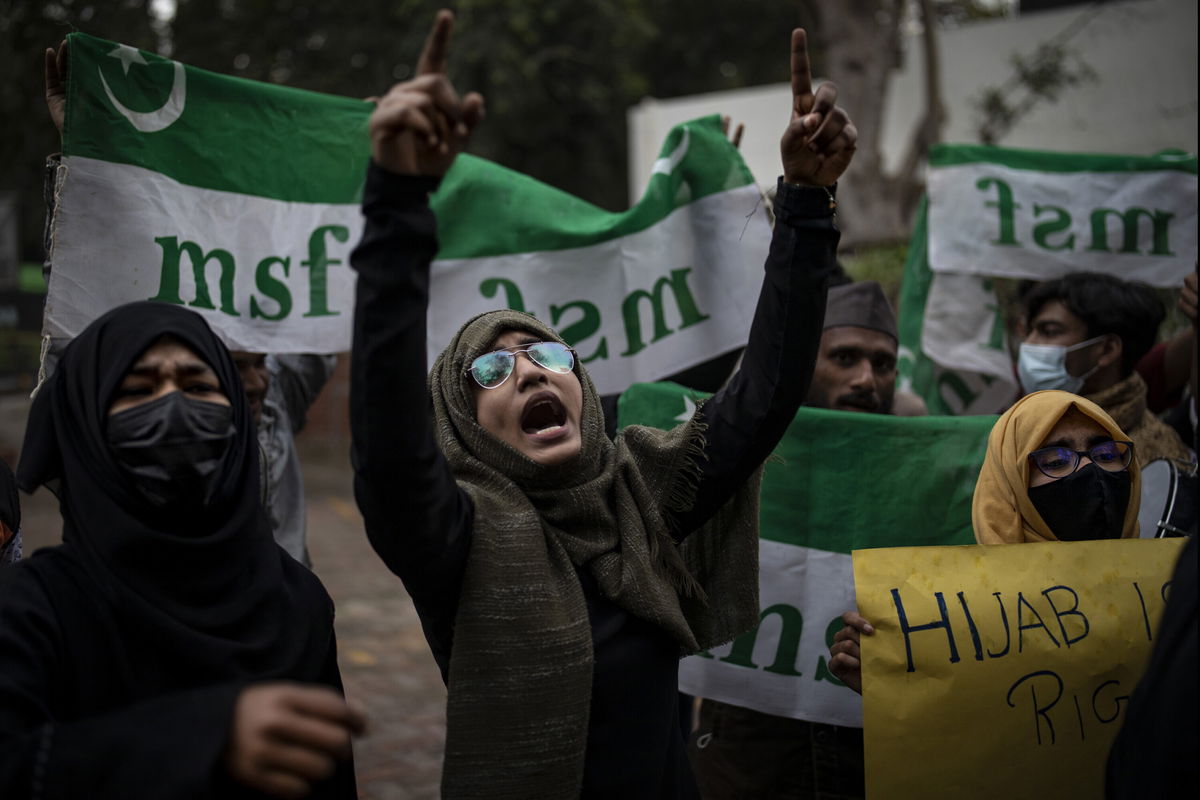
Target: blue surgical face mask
{"points": [[1044, 366]]}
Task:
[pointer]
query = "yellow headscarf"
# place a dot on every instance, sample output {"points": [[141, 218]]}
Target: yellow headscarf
{"points": [[1001, 510]]}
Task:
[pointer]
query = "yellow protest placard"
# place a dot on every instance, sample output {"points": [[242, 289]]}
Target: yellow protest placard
{"points": [[1003, 671]]}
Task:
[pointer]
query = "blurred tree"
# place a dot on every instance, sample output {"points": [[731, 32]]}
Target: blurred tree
{"points": [[1042, 76], [863, 43], [558, 75], [27, 136], [356, 49], [714, 45]]}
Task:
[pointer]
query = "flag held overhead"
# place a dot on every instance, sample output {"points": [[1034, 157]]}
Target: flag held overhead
{"points": [[240, 200]]}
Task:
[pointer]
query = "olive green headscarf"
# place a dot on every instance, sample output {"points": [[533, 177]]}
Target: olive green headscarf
{"points": [[521, 664]]}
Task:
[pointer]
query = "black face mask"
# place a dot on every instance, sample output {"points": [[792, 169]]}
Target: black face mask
{"points": [[1089, 503], [172, 448]]}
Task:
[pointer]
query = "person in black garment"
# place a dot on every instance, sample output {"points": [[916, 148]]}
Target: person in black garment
{"points": [[1154, 753], [168, 648], [559, 575]]}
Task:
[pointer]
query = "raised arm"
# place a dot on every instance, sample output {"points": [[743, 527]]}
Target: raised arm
{"points": [[748, 417], [416, 517], [55, 79]]}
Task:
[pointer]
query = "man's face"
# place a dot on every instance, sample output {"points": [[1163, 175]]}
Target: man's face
{"points": [[1054, 324], [255, 377], [535, 411], [856, 370]]}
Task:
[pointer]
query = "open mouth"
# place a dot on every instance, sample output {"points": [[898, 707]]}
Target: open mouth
{"points": [[544, 413]]}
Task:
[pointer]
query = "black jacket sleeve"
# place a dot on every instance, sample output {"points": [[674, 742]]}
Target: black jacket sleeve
{"points": [[168, 747], [417, 518], [59, 741], [749, 416]]}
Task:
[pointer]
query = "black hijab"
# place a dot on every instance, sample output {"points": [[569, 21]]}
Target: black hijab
{"points": [[208, 597]]}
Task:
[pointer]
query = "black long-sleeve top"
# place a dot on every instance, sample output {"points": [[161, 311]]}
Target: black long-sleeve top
{"points": [[419, 521], [90, 708]]}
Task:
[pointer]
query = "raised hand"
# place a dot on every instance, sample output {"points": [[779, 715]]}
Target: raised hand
{"points": [[820, 139], [420, 126], [287, 736], [736, 140], [56, 84]]}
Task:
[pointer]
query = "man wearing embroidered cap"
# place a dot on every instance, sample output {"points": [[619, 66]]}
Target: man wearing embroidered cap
{"points": [[856, 367]]}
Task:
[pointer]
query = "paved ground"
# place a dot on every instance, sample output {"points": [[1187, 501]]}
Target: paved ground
{"points": [[385, 662]]}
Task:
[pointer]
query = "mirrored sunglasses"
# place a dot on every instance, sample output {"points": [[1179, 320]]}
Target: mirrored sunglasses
{"points": [[1059, 462], [492, 369]]}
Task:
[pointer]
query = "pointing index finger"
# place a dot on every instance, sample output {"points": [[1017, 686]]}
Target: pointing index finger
{"points": [[437, 45], [802, 93]]}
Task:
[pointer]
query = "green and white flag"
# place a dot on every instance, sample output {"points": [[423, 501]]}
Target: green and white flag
{"points": [[999, 212], [642, 294], [235, 198], [844, 481], [1002, 212], [953, 345], [241, 201]]}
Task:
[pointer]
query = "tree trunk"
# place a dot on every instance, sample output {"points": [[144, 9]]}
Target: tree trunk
{"points": [[862, 46]]}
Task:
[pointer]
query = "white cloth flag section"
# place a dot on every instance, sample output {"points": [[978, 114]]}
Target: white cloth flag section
{"points": [[240, 200], [1020, 214], [790, 675], [269, 276], [963, 331], [636, 307], [1023, 214]]}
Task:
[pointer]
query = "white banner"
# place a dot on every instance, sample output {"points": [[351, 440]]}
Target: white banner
{"points": [[274, 276], [963, 332], [637, 308], [997, 220], [270, 272], [782, 667]]}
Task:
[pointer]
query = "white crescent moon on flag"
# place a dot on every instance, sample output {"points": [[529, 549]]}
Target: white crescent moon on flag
{"points": [[668, 164], [161, 118]]}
